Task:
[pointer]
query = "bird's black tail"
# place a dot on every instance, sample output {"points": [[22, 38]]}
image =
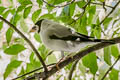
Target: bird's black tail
{"points": [[104, 41]]}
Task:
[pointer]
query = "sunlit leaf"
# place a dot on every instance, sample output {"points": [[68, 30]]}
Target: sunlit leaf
{"points": [[9, 34], [37, 37], [107, 55], [23, 26], [14, 49], [90, 61], [92, 11], [114, 51], [1, 25], [35, 15], [27, 11], [114, 74], [11, 66], [24, 2], [40, 2], [43, 51], [72, 9], [80, 3], [15, 19]]}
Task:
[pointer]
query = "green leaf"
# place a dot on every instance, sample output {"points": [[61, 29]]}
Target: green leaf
{"points": [[11, 66], [37, 37], [25, 2], [23, 26], [35, 15], [43, 51], [5, 14], [81, 3], [40, 2], [51, 59], [27, 11], [32, 57], [82, 26], [114, 51], [21, 73], [114, 74], [91, 11], [107, 55], [106, 22], [97, 32], [9, 34], [20, 8], [1, 25], [47, 16], [90, 61], [72, 9], [15, 19], [14, 49], [2, 9]]}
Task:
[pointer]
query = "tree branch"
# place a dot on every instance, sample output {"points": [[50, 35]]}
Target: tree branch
{"points": [[33, 71], [27, 40], [78, 56], [110, 68], [59, 6], [72, 70]]}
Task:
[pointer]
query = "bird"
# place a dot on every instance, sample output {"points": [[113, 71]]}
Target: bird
{"points": [[58, 37]]}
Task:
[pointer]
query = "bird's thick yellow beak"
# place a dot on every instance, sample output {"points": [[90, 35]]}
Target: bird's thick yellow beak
{"points": [[32, 30]]}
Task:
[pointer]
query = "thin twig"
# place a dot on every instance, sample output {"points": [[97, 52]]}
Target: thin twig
{"points": [[110, 68], [58, 6], [101, 4], [72, 70], [110, 12], [81, 15], [108, 15], [78, 56], [27, 40], [33, 71]]}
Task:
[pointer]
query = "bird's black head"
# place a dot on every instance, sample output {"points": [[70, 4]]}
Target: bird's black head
{"points": [[37, 26]]}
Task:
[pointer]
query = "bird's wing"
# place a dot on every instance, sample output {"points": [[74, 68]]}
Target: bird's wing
{"points": [[64, 33]]}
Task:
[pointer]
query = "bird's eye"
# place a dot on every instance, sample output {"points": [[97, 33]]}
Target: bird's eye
{"points": [[35, 28]]}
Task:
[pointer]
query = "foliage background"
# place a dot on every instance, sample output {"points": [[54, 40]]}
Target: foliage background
{"points": [[17, 58]]}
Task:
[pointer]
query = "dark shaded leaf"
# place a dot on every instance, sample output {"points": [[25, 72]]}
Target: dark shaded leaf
{"points": [[90, 61], [11, 66], [5, 14], [2, 9], [9, 34], [27, 11], [107, 55], [14, 49], [106, 22]]}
